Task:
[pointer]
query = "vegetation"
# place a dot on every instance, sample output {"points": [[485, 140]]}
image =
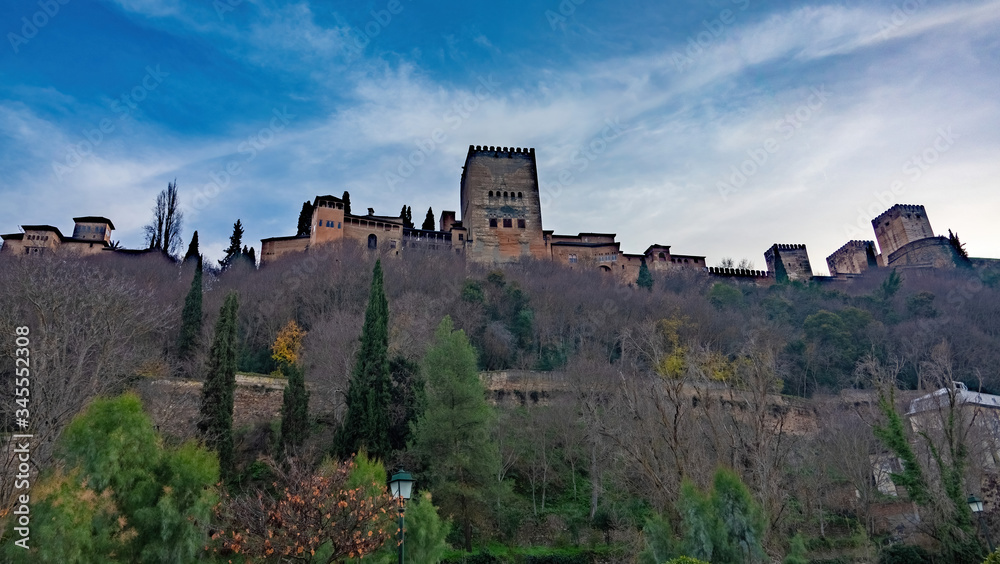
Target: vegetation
{"points": [[191, 314], [367, 422], [163, 233], [216, 423], [608, 412]]}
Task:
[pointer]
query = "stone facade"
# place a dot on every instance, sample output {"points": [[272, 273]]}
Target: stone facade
{"points": [[854, 257], [91, 235], [794, 259], [501, 207], [899, 225]]}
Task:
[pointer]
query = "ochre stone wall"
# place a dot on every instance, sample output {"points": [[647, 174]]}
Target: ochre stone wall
{"points": [[935, 252], [501, 184], [794, 258], [899, 225], [852, 258]]}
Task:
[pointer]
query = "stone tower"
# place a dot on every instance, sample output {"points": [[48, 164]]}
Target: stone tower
{"points": [[854, 257], [500, 205], [899, 225], [794, 259]]}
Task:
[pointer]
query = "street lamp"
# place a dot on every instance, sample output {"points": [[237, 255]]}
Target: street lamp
{"points": [[401, 485], [976, 505]]}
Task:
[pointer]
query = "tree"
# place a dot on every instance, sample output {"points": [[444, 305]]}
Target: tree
{"points": [[249, 255], [235, 249], [305, 220], [743, 520], [193, 251], [409, 217], [407, 400], [452, 436], [958, 245], [368, 395], [191, 314], [645, 279], [163, 233], [125, 497], [216, 422], [425, 531], [428, 221], [347, 202], [295, 402], [316, 517]]}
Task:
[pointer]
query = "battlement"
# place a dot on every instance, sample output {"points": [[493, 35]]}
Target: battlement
{"points": [[497, 150], [899, 208], [788, 247], [855, 244], [738, 272]]}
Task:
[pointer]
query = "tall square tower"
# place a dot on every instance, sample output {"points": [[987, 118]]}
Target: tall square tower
{"points": [[501, 208]]}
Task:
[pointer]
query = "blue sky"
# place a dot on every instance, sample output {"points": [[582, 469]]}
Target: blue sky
{"points": [[717, 127]]}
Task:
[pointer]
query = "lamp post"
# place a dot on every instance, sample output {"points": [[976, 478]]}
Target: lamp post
{"points": [[401, 485], [976, 505]]}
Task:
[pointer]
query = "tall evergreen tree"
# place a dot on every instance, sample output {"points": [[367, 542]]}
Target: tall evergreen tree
{"points": [[294, 409], [452, 435], [191, 314], [429, 220], [193, 252], [347, 202], [235, 249], [368, 395], [216, 421], [645, 279], [409, 217], [402, 215], [305, 220]]}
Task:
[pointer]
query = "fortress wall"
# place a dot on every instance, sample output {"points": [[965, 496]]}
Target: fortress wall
{"points": [[854, 257]]}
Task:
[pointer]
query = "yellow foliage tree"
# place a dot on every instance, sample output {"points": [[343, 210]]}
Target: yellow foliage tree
{"points": [[288, 344]]}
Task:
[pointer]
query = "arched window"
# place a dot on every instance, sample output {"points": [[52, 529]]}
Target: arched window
{"points": [[605, 268], [519, 196], [491, 193], [505, 194], [663, 256], [372, 241]]}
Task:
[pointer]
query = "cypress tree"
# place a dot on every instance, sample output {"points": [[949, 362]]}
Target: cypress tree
{"points": [[409, 217], [429, 220], [191, 314], [645, 279], [368, 395], [305, 220], [402, 215], [294, 409], [216, 422], [192, 251], [347, 202]]}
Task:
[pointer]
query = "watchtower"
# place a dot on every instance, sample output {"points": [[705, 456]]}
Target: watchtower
{"points": [[793, 258], [501, 207], [899, 225]]}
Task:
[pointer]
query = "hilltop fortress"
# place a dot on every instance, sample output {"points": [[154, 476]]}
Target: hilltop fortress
{"points": [[501, 222]]}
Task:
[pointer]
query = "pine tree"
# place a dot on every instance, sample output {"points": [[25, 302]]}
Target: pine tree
{"points": [[645, 279], [429, 220], [452, 435], [368, 395], [191, 314], [347, 202], [235, 249], [305, 220], [216, 422], [193, 251]]}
